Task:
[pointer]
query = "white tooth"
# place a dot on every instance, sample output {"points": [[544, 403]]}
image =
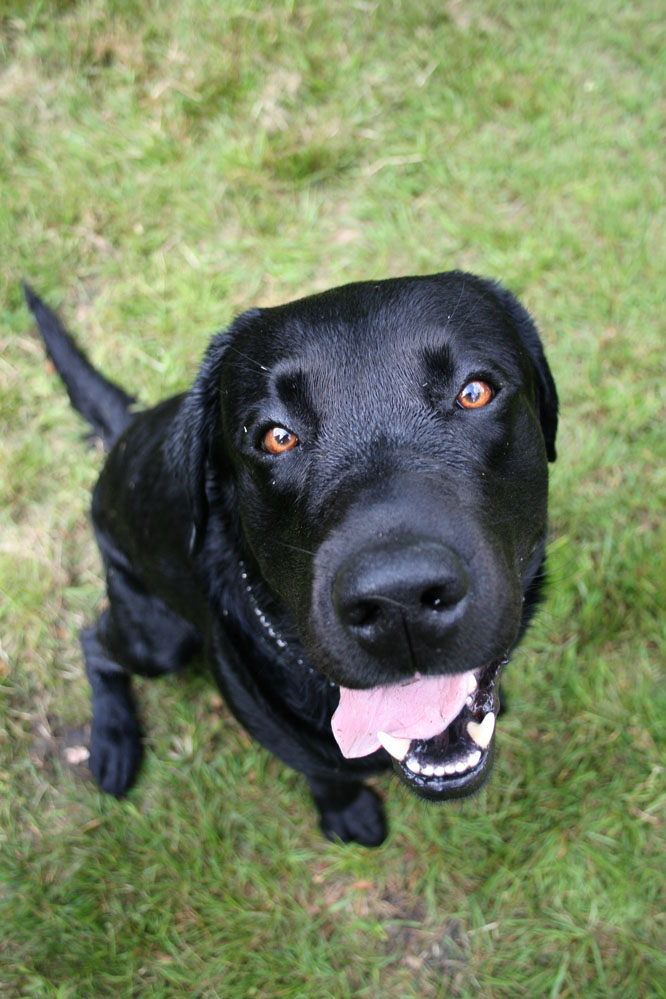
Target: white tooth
{"points": [[414, 766], [396, 747], [472, 684], [470, 701], [482, 732], [440, 771], [427, 770], [461, 766], [473, 759], [450, 768]]}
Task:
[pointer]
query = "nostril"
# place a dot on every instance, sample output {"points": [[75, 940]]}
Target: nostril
{"points": [[362, 614], [434, 598], [442, 597]]}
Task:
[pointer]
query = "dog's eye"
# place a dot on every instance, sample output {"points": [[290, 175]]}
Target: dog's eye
{"points": [[475, 395], [277, 440]]}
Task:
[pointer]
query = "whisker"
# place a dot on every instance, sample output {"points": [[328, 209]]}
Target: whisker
{"points": [[295, 548], [261, 367]]}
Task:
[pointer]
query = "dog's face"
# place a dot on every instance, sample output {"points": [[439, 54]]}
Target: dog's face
{"points": [[389, 444]]}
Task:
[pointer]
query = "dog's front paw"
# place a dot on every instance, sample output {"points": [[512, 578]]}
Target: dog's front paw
{"points": [[359, 819], [115, 749]]}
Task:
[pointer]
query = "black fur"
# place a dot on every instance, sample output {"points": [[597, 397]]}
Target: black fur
{"points": [[211, 543], [105, 406]]}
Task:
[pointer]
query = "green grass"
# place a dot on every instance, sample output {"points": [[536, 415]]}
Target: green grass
{"points": [[164, 165]]}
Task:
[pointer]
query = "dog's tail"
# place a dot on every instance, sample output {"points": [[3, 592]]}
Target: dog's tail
{"points": [[106, 407]]}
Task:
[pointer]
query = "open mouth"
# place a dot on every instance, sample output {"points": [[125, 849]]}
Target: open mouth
{"points": [[457, 761], [436, 763]]}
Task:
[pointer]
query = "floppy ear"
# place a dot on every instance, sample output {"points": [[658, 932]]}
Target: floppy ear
{"points": [[547, 404], [189, 443], [190, 439]]}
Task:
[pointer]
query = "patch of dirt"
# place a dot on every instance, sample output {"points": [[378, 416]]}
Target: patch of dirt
{"points": [[53, 742]]}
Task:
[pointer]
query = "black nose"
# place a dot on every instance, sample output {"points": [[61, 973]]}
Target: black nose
{"points": [[386, 596]]}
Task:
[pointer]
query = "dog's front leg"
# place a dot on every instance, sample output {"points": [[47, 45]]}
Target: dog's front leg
{"points": [[115, 741], [349, 811]]}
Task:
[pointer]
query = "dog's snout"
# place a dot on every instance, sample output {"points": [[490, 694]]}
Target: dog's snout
{"points": [[382, 594]]}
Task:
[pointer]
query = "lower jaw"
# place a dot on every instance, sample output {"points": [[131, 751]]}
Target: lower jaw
{"points": [[447, 788]]}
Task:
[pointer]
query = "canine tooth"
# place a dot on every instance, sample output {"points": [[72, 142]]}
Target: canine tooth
{"points": [[414, 766], [396, 747], [472, 684], [482, 732]]}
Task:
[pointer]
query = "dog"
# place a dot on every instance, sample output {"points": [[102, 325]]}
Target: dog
{"points": [[346, 515]]}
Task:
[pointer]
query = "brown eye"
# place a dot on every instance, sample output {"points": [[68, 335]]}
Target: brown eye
{"points": [[277, 440], [475, 395]]}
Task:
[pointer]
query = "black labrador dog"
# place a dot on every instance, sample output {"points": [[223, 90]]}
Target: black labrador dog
{"points": [[347, 515]]}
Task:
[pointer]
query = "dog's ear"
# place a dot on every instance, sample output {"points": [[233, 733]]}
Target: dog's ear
{"points": [[547, 404], [190, 439]]}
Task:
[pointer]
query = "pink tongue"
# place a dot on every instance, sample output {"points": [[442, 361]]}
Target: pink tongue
{"points": [[416, 709]]}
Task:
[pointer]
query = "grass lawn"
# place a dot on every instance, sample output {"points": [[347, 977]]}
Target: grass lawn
{"points": [[165, 165]]}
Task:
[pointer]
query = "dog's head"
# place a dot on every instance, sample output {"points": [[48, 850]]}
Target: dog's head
{"points": [[388, 445]]}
